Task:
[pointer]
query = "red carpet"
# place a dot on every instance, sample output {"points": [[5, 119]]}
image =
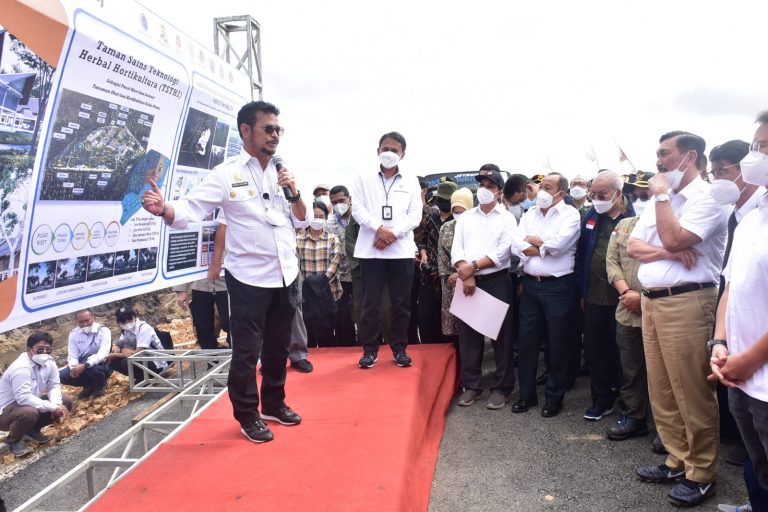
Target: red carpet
{"points": [[368, 441]]}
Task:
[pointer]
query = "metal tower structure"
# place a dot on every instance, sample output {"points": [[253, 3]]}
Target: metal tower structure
{"points": [[233, 31]]}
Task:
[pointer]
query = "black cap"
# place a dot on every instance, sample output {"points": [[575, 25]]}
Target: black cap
{"points": [[494, 176], [124, 312]]}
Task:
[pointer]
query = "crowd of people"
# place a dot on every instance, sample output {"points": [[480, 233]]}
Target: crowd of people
{"points": [[650, 283]]}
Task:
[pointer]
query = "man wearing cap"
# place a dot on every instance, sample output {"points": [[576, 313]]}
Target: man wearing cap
{"points": [[322, 193], [638, 184], [87, 351], [480, 254], [428, 308], [388, 207], [549, 233], [680, 240], [136, 335]]}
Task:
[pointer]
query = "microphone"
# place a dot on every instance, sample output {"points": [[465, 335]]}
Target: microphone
{"points": [[279, 165]]}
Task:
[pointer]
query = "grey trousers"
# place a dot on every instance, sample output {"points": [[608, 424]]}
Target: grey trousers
{"points": [[751, 416], [297, 350]]}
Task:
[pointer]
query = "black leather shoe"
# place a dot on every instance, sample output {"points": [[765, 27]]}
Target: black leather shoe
{"points": [[551, 409], [523, 405], [283, 415], [302, 366]]}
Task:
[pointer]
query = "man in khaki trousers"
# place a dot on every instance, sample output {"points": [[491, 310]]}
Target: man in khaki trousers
{"points": [[679, 241]]}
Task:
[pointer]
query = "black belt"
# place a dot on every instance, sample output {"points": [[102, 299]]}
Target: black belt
{"points": [[492, 275], [676, 290], [542, 278]]}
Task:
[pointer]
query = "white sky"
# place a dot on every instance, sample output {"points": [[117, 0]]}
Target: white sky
{"points": [[512, 83]]}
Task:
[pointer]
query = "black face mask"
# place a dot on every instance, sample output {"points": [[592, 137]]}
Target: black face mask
{"points": [[444, 205]]}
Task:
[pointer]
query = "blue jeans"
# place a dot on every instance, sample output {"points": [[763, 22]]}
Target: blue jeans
{"points": [[546, 305]]}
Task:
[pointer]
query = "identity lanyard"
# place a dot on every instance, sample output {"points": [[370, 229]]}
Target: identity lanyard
{"points": [[384, 186]]}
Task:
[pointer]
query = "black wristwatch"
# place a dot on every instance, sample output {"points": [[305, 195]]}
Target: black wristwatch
{"points": [[716, 341]]}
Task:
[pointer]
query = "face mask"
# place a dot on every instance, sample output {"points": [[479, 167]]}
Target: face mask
{"points": [[485, 196], [754, 168], [41, 359], [516, 210], [317, 224], [527, 204], [724, 192], [389, 159], [675, 177], [86, 330], [544, 199], [639, 206], [444, 205], [602, 206], [324, 199], [578, 192], [128, 326], [456, 215], [341, 208]]}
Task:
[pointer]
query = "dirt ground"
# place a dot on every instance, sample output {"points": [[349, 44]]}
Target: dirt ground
{"points": [[158, 308]]}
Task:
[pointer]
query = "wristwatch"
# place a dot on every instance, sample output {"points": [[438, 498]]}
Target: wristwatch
{"points": [[87, 365], [662, 198], [475, 265], [716, 341]]}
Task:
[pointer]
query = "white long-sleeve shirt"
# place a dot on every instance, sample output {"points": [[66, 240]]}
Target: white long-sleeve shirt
{"points": [[372, 191], [559, 230], [97, 345], [25, 381], [478, 234], [258, 253]]}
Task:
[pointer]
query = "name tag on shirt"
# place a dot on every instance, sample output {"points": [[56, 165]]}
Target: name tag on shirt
{"points": [[240, 184]]}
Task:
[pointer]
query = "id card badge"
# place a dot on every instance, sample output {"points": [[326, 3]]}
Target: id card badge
{"points": [[386, 213]]}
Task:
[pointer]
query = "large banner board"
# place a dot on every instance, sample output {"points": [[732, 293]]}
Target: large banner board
{"points": [[130, 99]]}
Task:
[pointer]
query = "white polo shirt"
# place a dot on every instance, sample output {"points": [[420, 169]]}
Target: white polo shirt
{"points": [[372, 191], [747, 272], [698, 213], [257, 252], [96, 344], [559, 229], [478, 234]]}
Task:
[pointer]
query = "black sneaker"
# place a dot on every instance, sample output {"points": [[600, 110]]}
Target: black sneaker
{"points": [[37, 436], [689, 493], [625, 428], [402, 359], [661, 474], [257, 432], [302, 366], [368, 360], [284, 416]]}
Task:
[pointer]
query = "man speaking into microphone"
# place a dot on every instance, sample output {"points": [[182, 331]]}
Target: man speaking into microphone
{"points": [[263, 207]]}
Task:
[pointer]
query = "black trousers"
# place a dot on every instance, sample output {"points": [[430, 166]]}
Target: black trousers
{"points": [[428, 311], [472, 343], [260, 321], [397, 274], [546, 305], [602, 353], [93, 377], [345, 326], [202, 309], [319, 334]]}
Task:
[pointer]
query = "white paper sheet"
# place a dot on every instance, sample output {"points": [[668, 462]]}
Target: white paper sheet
{"points": [[481, 311]]}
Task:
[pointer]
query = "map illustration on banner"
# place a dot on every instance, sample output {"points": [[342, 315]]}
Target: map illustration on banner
{"points": [[80, 141]]}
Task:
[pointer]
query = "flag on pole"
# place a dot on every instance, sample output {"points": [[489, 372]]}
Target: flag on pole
{"points": [[548, 165], [592, 156], [624, 158]]}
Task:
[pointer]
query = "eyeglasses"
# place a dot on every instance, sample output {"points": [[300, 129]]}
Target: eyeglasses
{"points": [[272, 128], [602, 196], [758, 145], [719, 172]]}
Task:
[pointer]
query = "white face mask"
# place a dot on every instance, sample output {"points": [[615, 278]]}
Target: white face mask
{"points": [[317, 224], [341, 208], [389, 159], [324, 199], [456, 214], [578, 192], [516, 210], [128, 326], [544, 199], [602, 206], [724, 192], [639, 206], [754, 168], [485, 196], [86, 329], [676, 176], [41, 359]]}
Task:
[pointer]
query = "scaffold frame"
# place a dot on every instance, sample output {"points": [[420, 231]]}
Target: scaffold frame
{"points": [[247, 59], [188, 366]]}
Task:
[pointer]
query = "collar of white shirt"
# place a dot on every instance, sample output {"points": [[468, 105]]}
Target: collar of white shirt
{"points": [[496, 209], [694, 189]]}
